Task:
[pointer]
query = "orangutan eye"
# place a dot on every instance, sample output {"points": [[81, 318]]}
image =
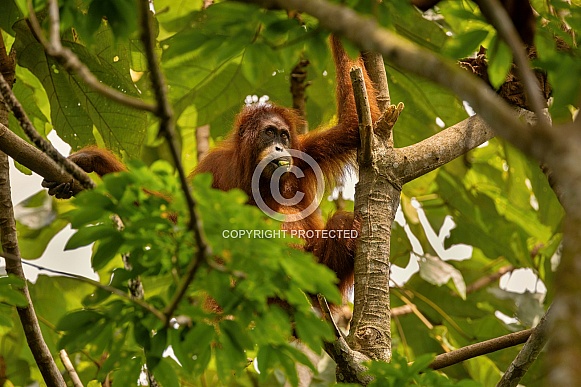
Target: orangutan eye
{"points": [[270, 131], [285, 137]]}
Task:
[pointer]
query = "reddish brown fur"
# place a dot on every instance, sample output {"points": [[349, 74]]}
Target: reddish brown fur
{"points": [[234, 160], [98, 160], [232, 163]]}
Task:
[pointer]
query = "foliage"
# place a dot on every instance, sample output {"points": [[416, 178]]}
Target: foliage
{"points": [[400, 373], [248, 272], [499, 200]]}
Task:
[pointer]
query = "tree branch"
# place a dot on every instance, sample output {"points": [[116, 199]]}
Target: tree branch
{"points": [[425, 156], [9, 241], [479, 349], [71, 63], [41, 143], [473, 287], [70, 368], [28, 319], [328, 316], [350, 369], [364, 116], [166, 128], [402, 310], [528, 354], [202, 141], [483, 282], [34, 159], [376, 70], [368, 36], [376, 201], [118, 292], [500, 19]]}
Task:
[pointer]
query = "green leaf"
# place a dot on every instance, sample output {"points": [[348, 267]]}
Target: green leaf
{"points": [[106, 250], [117, 184], [299, 356], [198, 342], [121, 15], [79, 319], [76, 108], [421, 363], [418, 121], [266, 359], [252, 55], [29, 91], [159, 343], [311, 330], [90, 234], [400, 246], [237, 334], [11, 294], [289, 367], [165, 373], [483, 370], [176, 16], [91, 206], [128, 373], [466, 43], [11, 12], [500, 62], [6, 315], [230, 357]]}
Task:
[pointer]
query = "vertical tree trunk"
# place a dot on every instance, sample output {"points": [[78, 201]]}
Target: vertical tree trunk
{"points": [[28, 319], [376, 202]]}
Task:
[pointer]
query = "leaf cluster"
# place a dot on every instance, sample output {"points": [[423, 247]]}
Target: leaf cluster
{"points": [[248, 300]]}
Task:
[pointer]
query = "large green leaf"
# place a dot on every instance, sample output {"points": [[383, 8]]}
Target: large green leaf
{"points": [[76, 108], [418, 119], [29, 91], [9, 15]]}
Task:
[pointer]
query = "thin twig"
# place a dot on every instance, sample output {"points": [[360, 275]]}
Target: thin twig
{"points": [[40, 142], [72, 63], [70, 368], [376, 70], [402, 310], [473, 287], [414, 309], [434, 305], [347, 360], [479, 349], [528, 354], [328, 316], [363, 114], [94, 283], [505, 27], [166, 128], [483, 282], [33, 159]]}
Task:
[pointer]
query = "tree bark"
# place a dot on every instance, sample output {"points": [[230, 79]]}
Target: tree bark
{"points": [[527, 355], [28, 319], [376, 202]]}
